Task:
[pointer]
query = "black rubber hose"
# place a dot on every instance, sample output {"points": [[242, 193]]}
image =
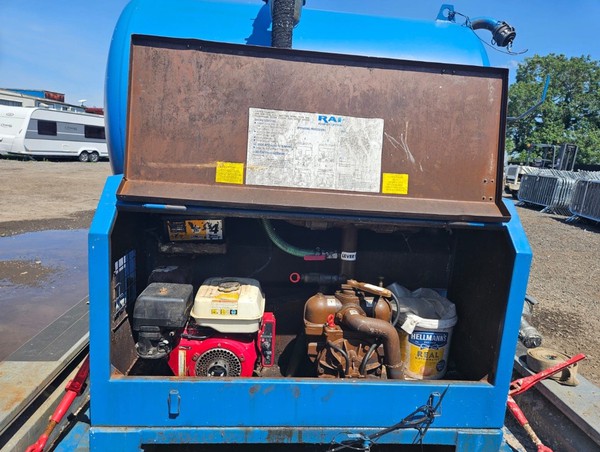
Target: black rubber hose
{"points": [[395, 320], [363, 365], [344, 354], [502, 33], [283, 23]]}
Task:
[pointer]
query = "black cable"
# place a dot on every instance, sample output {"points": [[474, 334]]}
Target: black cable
{"points": [[395, 298], [510, 52], [420, 419], [357, 441], [266, 264], [363, 365]]}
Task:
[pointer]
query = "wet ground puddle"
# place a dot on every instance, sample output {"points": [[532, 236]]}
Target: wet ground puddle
{"points": [[42, 275]]}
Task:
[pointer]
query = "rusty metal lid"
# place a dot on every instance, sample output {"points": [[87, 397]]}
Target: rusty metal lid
{"points": [[223, 125]]}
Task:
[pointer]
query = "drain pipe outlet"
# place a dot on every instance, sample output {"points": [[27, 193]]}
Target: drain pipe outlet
{"points": [[502, 33]]}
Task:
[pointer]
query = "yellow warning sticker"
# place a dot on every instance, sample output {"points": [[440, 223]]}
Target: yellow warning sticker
{"points": [[230, 173], [394, 184]]}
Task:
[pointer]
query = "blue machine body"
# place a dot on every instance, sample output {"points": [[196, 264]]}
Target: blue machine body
{"points": [[134, 410]]}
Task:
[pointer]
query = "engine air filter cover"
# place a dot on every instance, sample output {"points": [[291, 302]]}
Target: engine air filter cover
{"points": [[165, 305], [229, 305]]}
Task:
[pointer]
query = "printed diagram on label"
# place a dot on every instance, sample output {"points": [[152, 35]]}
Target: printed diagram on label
{"points": [[312, 150]]}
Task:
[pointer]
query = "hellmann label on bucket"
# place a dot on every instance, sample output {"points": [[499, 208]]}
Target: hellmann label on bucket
{"points": [[427, 353], [429, 339], [314, 150]]}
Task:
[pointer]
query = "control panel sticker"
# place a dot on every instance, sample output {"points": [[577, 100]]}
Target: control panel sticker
{"points": [[182, 230], [314, 150], [394, 184], [229, 173]]}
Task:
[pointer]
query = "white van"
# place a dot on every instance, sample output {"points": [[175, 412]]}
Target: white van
{"points": [[50, 133]]}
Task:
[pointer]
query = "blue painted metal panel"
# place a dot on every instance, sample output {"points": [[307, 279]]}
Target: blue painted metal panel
{"points": [[285, 402], [516, 298], [105, 438], [249, 23], [77, 439], [100, 271]]}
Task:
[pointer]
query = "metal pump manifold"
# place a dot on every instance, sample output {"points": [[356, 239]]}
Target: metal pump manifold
{"points": [[343, 341]]}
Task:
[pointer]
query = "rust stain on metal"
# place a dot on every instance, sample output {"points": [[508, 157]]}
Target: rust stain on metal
{"points": [[167, 165], [268, 389], [16, 396], [280, 436], [327, 396], [444, 128]]}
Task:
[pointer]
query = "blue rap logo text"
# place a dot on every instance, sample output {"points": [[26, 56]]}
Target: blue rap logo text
{"points": [[326, 119]]}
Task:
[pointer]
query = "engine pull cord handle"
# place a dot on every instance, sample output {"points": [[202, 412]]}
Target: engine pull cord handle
{"points": [[370, 288], [73, 389]]}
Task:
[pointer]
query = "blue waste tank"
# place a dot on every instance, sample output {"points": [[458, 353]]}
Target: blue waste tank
{"points": [[274, 210], [249, 23]]}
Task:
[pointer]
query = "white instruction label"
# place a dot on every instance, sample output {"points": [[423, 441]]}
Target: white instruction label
{"points": [[314, 150]]}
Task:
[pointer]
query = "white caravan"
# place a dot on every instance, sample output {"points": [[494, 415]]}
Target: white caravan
{"points": [[50, 133]]}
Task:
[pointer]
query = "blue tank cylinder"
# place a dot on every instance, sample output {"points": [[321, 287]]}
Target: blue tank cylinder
{"points": [[249, 23]]}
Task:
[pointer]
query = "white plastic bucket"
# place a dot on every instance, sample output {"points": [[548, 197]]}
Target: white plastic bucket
{"points": [[425, 349]]}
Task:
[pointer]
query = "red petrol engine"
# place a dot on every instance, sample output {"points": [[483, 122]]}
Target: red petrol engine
{"points": [[228, 333]]}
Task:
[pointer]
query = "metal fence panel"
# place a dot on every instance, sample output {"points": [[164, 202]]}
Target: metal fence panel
{"points": [[555, 191], [536, 189], [586, 199]]}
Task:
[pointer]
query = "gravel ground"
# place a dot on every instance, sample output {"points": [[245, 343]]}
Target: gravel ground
{"points": [[49, 195], [565, 275], [565, 280]]}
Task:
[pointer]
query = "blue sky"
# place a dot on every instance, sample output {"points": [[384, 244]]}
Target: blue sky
{"points": [[63, 45]]}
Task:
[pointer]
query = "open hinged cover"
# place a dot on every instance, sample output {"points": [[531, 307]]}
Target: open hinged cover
{"points": [[213, 124]]}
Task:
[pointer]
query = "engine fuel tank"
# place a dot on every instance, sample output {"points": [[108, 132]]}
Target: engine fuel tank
{"points": [[229, 305]]}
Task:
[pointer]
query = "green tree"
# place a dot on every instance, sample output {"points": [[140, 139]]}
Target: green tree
{"points": [[571, 112]]}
